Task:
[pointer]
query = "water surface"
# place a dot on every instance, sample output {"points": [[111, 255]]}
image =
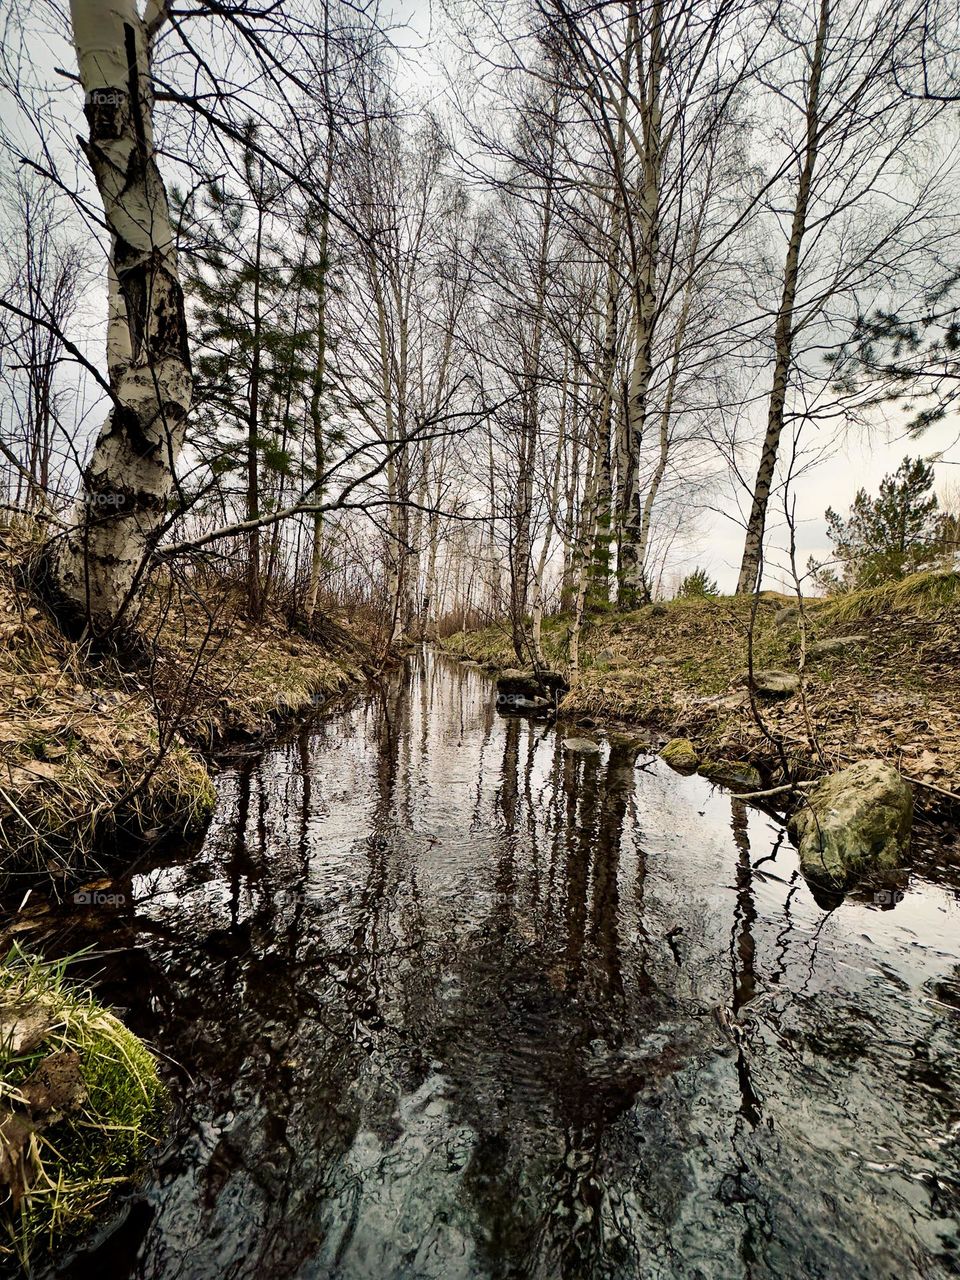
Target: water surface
{"points": [[450, 999]]}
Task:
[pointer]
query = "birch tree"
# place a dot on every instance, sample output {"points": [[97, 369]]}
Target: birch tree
{"points": [[863, 209], [130, 475]]}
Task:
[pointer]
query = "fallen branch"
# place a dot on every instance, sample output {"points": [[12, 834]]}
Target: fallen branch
{"points": [[774, 791], [951, 795]]}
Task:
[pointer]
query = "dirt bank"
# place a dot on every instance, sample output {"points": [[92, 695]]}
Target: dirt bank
{"points": [[95, 751], [891, 689]]}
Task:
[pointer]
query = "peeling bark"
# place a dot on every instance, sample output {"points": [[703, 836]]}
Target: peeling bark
{"points": [[630, 565], [127, 483]]}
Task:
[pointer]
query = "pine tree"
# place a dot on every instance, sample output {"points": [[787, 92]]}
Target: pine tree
{"points": [[698, 584], [252, 290], [883, 539]]}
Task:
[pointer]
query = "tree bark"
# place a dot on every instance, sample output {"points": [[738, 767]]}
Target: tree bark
{"points": [[630, 568], [783, 334], [127, 483]]}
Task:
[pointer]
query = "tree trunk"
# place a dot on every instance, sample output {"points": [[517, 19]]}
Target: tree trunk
{"points": [[629, 568], [783, 335], [128, 480]]}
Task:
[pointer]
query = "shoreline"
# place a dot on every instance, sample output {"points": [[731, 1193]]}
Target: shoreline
{"points": [[877, 682], [99, 754]]}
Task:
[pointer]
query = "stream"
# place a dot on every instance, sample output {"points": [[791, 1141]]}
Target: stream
{"points": [[443, 997]]}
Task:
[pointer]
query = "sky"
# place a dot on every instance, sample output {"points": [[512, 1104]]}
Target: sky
{"points": [[861, 460], [858, 460]]}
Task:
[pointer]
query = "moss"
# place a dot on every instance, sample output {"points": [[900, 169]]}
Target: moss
{"points": [[82, 1158], [737, 774], [680, 754], [855, 822]]}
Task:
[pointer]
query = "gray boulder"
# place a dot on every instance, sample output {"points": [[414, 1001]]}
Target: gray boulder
{"points": [[837, 644], [775, 684], [854, 822], [585, 746], [735, 774], [786, 617], [531, 684]]}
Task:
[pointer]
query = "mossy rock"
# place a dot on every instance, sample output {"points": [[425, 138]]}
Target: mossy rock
{"points": [[775, 684], [63, 1153], [854, 823], [680, 754], [735, 774]]}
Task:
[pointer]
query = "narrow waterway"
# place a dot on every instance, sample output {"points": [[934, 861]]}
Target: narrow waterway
{"points": [[448, 998]]}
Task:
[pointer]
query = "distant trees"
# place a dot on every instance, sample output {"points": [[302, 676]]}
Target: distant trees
{"points": [[42, 269], [499, 370], [884, 538]]}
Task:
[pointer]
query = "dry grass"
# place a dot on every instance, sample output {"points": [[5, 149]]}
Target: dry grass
{"points": [[76, 742], [921, 593], [92, 753], [680, 669]]}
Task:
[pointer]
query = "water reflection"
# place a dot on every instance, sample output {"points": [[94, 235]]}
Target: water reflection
{"points": [[452, 999]]}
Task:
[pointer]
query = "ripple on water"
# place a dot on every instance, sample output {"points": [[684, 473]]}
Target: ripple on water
{"points": [[452, 1001]]}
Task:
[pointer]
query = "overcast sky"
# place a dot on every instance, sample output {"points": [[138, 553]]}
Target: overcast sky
{"points": [[858, 459]]}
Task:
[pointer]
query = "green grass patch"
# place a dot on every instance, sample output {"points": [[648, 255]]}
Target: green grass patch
{"points": [[79, 1155]]}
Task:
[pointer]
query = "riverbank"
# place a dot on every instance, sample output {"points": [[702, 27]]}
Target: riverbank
{"points": [[881, 678], [434, 967], [97, 752]]}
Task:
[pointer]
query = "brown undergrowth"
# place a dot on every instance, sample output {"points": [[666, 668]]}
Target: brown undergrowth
{"points": [[893, 692], [95, 750]]}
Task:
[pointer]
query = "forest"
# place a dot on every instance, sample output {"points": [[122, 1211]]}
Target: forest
{"points": [[477, 482]]}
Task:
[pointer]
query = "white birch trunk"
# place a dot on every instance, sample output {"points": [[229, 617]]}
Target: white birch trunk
{"points": [[630, 567], [128, 481]]}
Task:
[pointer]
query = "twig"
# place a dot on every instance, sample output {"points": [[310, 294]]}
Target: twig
{"points": [[774, 791], [952, 795]]}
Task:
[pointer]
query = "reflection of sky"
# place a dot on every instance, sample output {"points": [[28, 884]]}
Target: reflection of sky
{"points": [[448, 972], [445, 823]]}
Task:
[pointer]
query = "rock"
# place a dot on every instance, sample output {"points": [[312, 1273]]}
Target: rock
{"points": [[823, 648], [736, 774], [787, 617], [22, 1027], [680, 754], [582, 745], [775, 684], [660, 661], [656, 610], [856, 821], [520, 702], [531, 684]]}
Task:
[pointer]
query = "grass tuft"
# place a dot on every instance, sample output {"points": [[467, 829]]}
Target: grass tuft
{"points": [[76, 1162], [921, 593]]}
